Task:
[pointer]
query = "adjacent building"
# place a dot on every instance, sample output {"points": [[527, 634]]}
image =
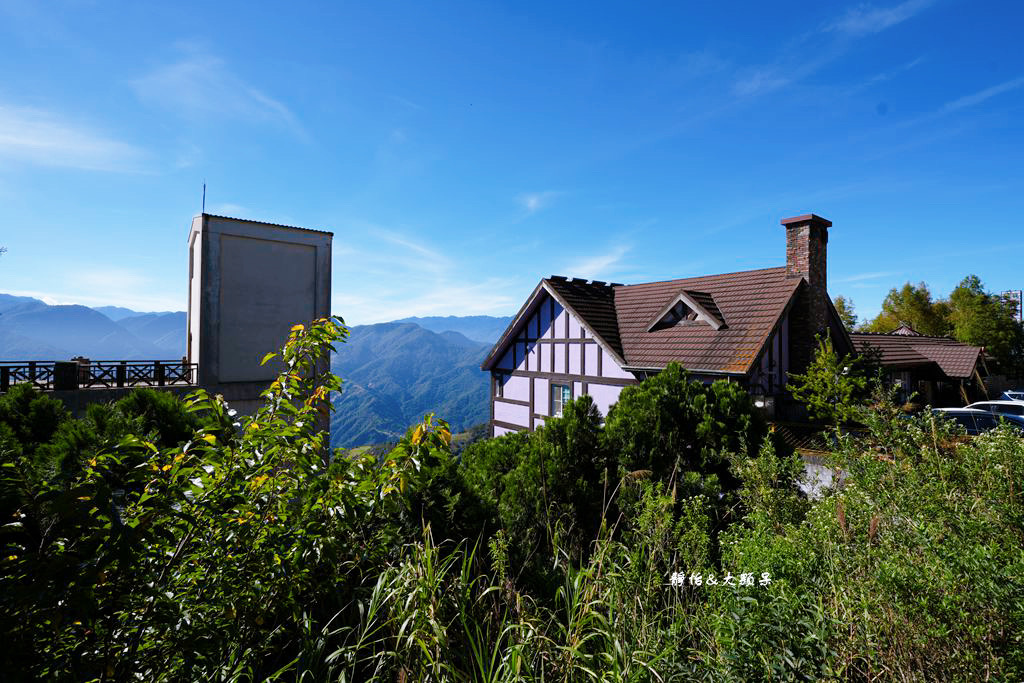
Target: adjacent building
{"points": [[574, 337], [249, 282], [941, 371]]}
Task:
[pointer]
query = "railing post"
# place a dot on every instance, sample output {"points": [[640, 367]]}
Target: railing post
{"points": [[5, 378], [32, 371], [122, 373], [65, 375], [159, 372]]}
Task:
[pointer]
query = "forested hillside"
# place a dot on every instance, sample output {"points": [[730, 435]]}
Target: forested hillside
{"points": [[481, 328], [395, 373]]}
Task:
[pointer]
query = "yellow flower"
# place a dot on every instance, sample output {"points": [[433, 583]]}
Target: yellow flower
{"points": [[83, 498], [165, 468], [12, 558], [92, 462], [179, 457], [298, 328], [209, 438]]}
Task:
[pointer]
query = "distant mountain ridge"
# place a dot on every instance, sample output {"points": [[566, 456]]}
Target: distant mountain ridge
{"points": [[31, 329], [481, 328], [394, 373]]}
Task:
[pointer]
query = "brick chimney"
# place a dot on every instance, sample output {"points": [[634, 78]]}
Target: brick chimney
{"points": [[806, 240]]}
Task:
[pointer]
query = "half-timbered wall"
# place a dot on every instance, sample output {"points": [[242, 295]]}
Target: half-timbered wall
{"points": [[551, 348], [769, 375]]}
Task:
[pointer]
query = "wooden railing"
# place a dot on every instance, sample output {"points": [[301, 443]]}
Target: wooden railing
{"points": [[48, 375]]}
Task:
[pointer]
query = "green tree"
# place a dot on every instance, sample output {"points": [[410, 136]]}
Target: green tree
{"points": [[981, 318], [912, 305], [844, 307], [558, 487], [833, 388]]}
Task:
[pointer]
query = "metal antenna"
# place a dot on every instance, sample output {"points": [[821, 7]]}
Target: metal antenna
{"points": [[204, 196]]}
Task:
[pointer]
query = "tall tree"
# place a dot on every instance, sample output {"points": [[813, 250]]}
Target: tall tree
{"points": [[844, 307], [912, 305], [983, 319]]}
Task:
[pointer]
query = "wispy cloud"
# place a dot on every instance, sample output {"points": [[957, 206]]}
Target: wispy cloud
{"points": [[981, 96], [136, 301], [443, 298], [201, 85], [599, 265], [794, 65], [108, 280], [535, 201], [761, 81], [48, 139], [432, 256], [865, 19], [863, 277], [233, 210]]}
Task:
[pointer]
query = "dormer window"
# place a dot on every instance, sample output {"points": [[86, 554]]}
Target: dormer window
{"points": [[679, 312], [688, 308]]}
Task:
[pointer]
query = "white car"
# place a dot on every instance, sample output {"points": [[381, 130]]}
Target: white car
{"points": [[1001, 407]]}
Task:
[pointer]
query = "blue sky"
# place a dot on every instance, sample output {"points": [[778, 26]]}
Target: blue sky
{"points": [[462, 151]]}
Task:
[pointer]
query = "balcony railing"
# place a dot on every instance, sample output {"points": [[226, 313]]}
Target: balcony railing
{"points": [[48, 375]]}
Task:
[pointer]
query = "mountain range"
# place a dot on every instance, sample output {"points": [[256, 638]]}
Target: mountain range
{"points": [[31, 329], [394, 373], [481, 328]]}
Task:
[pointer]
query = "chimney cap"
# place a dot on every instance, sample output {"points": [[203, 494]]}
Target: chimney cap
{"points": [[807, 218]]}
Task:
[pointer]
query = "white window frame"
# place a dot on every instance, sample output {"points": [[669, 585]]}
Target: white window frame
{"points": [[558, 401]]}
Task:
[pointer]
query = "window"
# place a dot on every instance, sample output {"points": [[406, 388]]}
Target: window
{"points": [[560, 395], [499, 385]]}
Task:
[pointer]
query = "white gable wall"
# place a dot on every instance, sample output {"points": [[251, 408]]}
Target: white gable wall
{"points": [[552, 348]]}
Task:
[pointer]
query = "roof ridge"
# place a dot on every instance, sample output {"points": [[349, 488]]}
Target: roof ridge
{"points": [[916, 337], [695, 277]]}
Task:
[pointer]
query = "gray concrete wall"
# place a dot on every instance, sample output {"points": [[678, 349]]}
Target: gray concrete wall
{"points": [[249, 283], [78, 400]]}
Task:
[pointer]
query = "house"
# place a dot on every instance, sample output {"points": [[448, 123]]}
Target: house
{"points": [[574, 337], [942, 371]]}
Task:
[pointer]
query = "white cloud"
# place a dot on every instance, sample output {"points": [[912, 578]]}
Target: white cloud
{"points": [[535, 201], [760, 82], [443, 296], [981, 96], [598, 265], [865, 19], [44, 138], [202, 86], [232, 210], [126, 299], [424, 257], [861, 277]]}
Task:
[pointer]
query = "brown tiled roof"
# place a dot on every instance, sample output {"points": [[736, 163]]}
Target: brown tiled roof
{"points": [[955, 359], [594, 302], [749, 302], [707, 301]]}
